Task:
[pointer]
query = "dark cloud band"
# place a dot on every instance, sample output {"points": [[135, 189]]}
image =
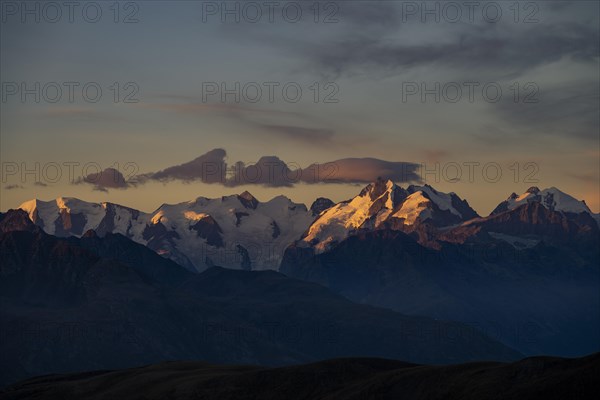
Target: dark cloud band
{"points": [[268, 171]]}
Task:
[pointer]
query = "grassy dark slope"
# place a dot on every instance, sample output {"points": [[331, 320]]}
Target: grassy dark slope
{"points": [[354, 378]]}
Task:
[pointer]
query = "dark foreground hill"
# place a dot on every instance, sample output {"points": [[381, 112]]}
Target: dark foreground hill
{"points": [[350, 379]]}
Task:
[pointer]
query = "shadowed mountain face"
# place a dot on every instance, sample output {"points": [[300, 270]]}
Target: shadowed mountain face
{"points": [[90, 303], [352, 379], [531, 219], [540, 299], [319, 205]]}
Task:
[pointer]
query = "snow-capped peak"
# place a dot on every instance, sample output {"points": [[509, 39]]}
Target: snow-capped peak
{"points": [[378, 189], [551, 198], [442, 200], [30, 207], [416, 206], [383, 204], [232, 231], [40, 211], [372, 205]]}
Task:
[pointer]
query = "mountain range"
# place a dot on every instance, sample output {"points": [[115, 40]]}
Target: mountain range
{"points": [[240, 232], [235, 231], [527, 274]]}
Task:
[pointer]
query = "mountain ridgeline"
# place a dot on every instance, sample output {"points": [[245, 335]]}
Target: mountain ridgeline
{"points": [[235, 231], [240, 232]]}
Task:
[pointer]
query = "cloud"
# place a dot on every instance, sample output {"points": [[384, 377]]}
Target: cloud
{"points": [[374, 43], [13, 187], [17, 186], [274, 172], [585, 178], [253, 117], [193, 106], [81, 114], [208, 168], [569, 110], [109, 178], [62, 112], [382, 38], [268, 171], [362, 170], [479, 49], [434, 155], [313, 136]]}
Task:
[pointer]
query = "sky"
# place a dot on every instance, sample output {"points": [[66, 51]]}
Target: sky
{"points": [[180, 99]]}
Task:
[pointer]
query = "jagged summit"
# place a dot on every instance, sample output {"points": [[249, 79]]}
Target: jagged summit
{"points": [[383, 205], [378, 188], [320, 204], [449, 202], [90, 234], [16, 220], [248, 200], [247, 195]]}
